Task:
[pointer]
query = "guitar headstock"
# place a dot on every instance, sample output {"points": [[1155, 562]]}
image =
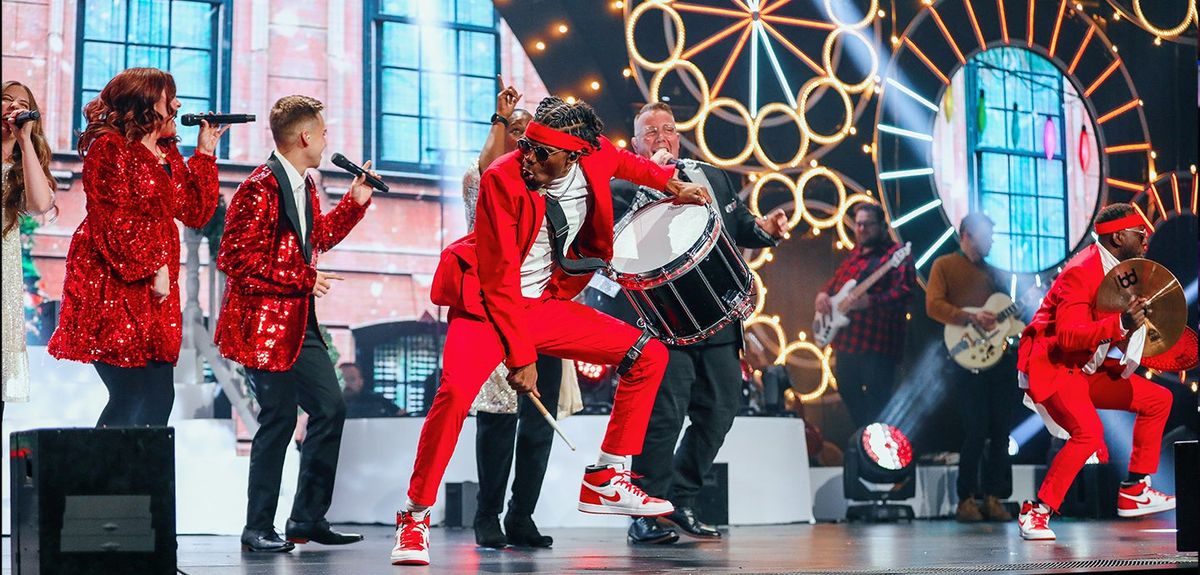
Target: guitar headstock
{"points": [[899, 255]]}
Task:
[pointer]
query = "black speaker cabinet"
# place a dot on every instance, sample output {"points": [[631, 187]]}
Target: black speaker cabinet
{"points": [[1093, 494], [461, 502], [1187, 495], [712, 503], [93, 501]]}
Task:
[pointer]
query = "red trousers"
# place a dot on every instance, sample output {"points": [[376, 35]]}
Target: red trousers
{"points": [[560, 328], [1074, 407]]}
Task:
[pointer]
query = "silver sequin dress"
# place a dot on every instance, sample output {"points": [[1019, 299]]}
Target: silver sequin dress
{"points": [[12, 308]]}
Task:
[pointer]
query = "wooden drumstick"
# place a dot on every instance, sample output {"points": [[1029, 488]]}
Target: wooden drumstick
{"points": [[554, 424]]}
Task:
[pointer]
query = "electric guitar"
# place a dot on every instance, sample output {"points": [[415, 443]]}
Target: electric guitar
{"points": [[977, 349], [826, 326]]}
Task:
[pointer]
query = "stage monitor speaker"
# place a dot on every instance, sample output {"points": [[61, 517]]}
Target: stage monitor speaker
{"points": [[93, 501], [461, 502], [712, 503], [1187, 495], [1093, 494]]}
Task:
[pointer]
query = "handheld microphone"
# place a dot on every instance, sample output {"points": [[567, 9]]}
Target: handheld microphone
{"points": [[26, 116], [341, 162], [215, 119]]}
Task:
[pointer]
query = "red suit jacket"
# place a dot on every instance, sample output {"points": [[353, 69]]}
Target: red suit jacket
{"points": [[270, 271], [1066, 329], [480, 274], [108, 311]]}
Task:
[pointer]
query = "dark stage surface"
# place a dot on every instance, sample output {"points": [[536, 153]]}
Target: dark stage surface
{"points": [[920, 547]]}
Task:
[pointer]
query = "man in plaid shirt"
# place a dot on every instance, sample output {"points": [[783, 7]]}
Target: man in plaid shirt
{"points": [[869, 348]]}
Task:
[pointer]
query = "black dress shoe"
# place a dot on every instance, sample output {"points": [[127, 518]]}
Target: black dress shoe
{"points": [[318, 532], [646, 530], [684, 519], [522, 532], [488, 533], [264, 541]]}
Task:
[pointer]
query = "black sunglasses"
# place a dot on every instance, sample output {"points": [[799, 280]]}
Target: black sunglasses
{"points": [[540, 153]]}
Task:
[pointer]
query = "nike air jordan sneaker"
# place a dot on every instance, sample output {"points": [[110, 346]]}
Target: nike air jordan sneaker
{"points": [[412, 539], [607, 490], [1034, 522], [1140, 499]]}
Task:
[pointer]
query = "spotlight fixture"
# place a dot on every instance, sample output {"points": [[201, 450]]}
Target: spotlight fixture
{"points": [[879, 468]]}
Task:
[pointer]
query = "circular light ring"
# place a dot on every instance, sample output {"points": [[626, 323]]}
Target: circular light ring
{"points": [[764, 256], [797, 197], [843, 235], [806, 91], [661, 74], [872, 8], [772, 323], [822, 359], [631, 22], [1165, 32], [827, 60], [761, 154], [808, 175], [751, 135], [887, 446]]}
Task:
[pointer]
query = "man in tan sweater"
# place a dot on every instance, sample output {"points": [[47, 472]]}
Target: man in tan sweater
{"points": [[956, 281]]}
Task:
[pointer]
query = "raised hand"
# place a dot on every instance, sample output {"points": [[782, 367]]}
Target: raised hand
{"points": [[324, 283], [210, 135]]}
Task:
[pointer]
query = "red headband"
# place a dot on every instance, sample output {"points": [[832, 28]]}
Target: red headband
{"points": [[1123, 223], [544, 134]]}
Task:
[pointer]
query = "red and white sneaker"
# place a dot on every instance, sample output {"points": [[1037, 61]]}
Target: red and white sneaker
{"points": [[608, 491], [1140, 499], [1034, 522], [412, 539]]}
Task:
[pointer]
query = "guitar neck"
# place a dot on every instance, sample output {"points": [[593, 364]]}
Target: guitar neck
{"points": [[871, 279]]}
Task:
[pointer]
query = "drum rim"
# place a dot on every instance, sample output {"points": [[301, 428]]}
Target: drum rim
{"points": [[682, 264]]}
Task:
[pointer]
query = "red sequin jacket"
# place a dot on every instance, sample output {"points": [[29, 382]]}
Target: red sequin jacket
{"points": [[108, 311], [480, 274], [270, 271]]}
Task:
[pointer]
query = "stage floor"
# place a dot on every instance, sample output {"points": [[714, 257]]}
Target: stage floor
{"points": [[940, 546]]}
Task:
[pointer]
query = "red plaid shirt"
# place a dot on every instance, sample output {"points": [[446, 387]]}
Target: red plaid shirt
{"points": [[880, 327]]}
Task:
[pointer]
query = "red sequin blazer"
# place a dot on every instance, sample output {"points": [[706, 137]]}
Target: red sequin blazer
{"points": [[108, 311], [480, 274], [270, 271]]}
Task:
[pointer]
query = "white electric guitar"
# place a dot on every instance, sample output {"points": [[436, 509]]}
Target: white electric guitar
{"points": [[826, 326], [977, 349]]}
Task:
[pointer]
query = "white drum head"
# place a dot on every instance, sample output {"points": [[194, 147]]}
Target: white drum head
{"points": [[656, 235]]}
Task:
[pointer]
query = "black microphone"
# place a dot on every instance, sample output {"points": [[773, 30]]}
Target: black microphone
{"points": [[341, 162], [26, 116], [215, 119]]}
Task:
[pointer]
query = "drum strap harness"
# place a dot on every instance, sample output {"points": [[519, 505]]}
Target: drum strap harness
{"points": [[558, 240]]}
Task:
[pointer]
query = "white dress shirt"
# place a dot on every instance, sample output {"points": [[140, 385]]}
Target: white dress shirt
{"points": [[299, 191]]}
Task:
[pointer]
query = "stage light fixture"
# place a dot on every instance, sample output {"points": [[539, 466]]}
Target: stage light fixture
{"points": [[879, 468]]}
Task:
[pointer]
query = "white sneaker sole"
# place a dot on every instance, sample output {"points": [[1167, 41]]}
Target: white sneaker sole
{"points": [[1147, 510], [638, 511], [410, 558], [1042, 536]]}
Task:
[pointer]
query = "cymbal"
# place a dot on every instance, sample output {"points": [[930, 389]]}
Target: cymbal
{"points": [[1166, 307]]}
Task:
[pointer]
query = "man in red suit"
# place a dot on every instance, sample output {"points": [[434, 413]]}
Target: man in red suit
{"points": [[544, 223], [1067, 366], [274, 230]]}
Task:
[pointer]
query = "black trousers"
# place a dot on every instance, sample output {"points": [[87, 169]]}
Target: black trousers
{"points": [[985, 401], [137, 395], [705, 384], [497, 433], [312, 384], [865, 382]]}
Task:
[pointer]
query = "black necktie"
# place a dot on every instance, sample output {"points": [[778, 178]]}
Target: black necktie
{"points": [[558, 241]]}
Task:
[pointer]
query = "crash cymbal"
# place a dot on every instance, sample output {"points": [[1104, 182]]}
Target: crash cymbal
{"points": [[1166, 308]]}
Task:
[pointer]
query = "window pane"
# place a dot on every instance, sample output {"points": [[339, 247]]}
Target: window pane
{"points": [[438, 50], [472, 135], [996, 206], [148, 21], [104, 20], [477, 98], [399, 45], [1050, 178], [994, 174], [396, 7], [399, 91], [192, 24], [478, 54], [439, 95], [1051, 217], [187, 134], [476, 12], [399, 139], [144, 56], [440, 143], [192, 70], [438, 11], [100, 63], [1001, 255]]}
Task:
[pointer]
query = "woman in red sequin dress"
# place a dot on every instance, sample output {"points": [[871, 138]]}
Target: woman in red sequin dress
{"points": [[120, 306]]}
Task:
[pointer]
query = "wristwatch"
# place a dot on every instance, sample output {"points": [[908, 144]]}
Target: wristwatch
{"points": [[499, 118]]}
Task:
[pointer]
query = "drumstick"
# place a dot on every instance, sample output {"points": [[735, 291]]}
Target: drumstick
{"points": [[554, 424]]}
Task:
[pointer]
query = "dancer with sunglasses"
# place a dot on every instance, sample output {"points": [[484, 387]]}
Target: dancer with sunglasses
{"points": [[544, 223]]}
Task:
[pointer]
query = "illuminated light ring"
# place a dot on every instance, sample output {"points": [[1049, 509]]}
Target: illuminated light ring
{"points": [[771, 322], [631, 22], [847, 240], [1165, 32], [797, 197], [872, 8], [761, 154], [661, 74], [822, 359], [764, 256], [806, 91], [827, 60], [761, 298], [751, 135], [831, 221]]}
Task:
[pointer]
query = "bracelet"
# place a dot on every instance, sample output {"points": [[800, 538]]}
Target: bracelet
{"points": [[499, 118]]}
